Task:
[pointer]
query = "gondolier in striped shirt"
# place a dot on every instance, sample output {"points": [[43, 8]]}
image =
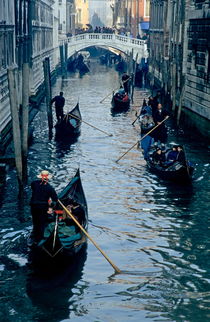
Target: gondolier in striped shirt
{"points": [[42, 192]]}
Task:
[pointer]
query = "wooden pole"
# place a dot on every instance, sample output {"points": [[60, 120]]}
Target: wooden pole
{"points": [[46, 66], [142, 138], [62, 59], [74, 116], [66, 55], [15, 123], [117, 270], [180, 104], [25, 116], [134, 76]]}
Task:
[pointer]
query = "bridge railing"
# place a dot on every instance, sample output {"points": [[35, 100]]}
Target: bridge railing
{"points": [[105, 37]]}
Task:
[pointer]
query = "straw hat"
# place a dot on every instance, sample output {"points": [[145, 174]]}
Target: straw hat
{"points": [[44, 174]]}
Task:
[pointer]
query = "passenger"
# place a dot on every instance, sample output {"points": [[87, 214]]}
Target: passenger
{"points": [[42, 191], [147, 123], [146, 109], [121, 91], [125, 97], [172, 155], [158, 157], [181, 155], [73, 122], [76, 210]]}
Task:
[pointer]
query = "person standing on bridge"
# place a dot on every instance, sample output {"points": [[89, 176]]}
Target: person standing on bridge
{"points": [[126, 82], [59, 104]]}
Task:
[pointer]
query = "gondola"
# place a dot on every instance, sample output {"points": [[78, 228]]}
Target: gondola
{"points": [[118, 104], [62, 238], [69, 127], [179, 172]]}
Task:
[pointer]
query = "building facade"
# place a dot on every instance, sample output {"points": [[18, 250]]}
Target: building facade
{"points": [[70, 17], [7, 58], [82, 13], [179, 57], [42, 40], [197, 66], [130, 16], [103, 10]]}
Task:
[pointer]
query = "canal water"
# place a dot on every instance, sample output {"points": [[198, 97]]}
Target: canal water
{"points": [[154, 231]]}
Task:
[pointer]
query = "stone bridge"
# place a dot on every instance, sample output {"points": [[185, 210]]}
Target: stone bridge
{"points": [[122, 43]]}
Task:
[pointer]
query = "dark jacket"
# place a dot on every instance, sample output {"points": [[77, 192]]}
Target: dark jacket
{"points": [[181, 157], [41, 193], [159, 117], [59, 101]]}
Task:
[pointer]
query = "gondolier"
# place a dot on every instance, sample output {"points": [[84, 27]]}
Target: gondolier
{"points": [[59, 101], [61, 237], [69, 127], [125, 81], [42, 192], [160, 133]]}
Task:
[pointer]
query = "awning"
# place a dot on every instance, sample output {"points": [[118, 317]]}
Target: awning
{"points": [[144, 25]]}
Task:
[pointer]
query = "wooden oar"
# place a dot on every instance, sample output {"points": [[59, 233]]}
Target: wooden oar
{"points": [[135, 119], [113, 91], [89, 124], [117, 270], [108, 95], [143, 138]]}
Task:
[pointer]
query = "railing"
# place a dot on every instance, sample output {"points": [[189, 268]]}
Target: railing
{"points": [[133, 42]]}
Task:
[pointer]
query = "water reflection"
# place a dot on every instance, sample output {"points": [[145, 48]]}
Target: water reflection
{"points": [[52, 293], [156, 231]]}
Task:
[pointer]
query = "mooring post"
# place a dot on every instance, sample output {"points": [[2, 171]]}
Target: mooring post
{"points": [[134, 76], [47, 81], [15, 123], [66, 55], [62, 60], [180, 104], [25, 116]]}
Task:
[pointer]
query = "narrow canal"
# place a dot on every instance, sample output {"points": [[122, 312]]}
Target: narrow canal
{"points": [[156, 231]]}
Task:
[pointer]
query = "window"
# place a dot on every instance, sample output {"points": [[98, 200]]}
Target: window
{"points": [[79, 15], [146, 8]]}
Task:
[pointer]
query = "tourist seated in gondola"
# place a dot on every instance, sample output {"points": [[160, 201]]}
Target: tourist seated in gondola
{"points": [[125, 97], [146, 109], [147, 124], [120, 93], [72, 121], [76, 210], [172, 155], [158, 157], [121, 90], [181, 155]]}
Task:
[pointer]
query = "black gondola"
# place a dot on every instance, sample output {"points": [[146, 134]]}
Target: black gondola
{"points": [[179, 172], [69, 127], [119, 103], [62, 238]]}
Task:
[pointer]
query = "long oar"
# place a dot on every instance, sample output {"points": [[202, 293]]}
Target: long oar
{"points": [[89, 124], [143, 138], [135, 120], [108, 94], [117, 270], [113, 91]]}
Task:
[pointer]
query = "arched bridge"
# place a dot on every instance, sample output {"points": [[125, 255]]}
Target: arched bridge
{"points": [[121, 43]]}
